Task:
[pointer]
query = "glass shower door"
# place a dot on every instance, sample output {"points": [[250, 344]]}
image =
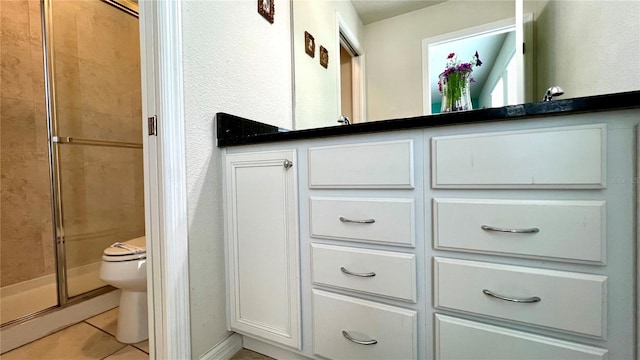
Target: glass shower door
{"points": [[102, 203], [97, 134]]}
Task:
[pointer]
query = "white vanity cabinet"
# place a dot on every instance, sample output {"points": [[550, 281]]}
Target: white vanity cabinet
{"points": [[532, 241], [494, 240], [373, 229], [262, 245]]}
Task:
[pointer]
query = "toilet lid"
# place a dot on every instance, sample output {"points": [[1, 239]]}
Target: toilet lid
{"points": [[134, 249]]}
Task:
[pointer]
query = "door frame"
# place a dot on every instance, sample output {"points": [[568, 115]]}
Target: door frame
{"points": [[358, 93], [165, 180]]}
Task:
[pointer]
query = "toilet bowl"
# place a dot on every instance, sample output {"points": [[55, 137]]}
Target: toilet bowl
{"points": [[124, 266]]}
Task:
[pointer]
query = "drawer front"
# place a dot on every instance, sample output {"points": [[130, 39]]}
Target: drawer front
{"points": [[483, 341], [385, 221], [567, 301], [394, 329], [377, 165], [385, 273], [565, 157], [566, 230]]}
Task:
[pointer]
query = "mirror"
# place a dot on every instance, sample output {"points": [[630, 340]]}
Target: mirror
{"points": [[390, 74], [494, 83]]}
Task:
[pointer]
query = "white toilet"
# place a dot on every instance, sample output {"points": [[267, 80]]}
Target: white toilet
{"points": [[124, 266]]}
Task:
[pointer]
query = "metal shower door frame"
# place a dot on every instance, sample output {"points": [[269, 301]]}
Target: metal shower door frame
{"points": [[54, 143]]}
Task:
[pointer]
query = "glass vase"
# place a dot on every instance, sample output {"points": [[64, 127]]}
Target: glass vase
{"points": [[456, 94]]}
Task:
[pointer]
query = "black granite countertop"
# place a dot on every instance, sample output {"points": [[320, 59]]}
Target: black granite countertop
{"points": [[234, 130]]}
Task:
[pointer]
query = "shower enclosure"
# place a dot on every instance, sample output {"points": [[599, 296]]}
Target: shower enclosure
{"points": [[71, 167]]}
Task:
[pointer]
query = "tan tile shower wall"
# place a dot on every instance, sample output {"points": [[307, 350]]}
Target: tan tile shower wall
{"points": [[97, 72], [97, 60], [97, 75], [26, 239]]}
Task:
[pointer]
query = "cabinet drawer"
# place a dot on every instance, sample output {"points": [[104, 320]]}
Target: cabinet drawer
{"points": [[394, 329], [564, 157], [567, 301], [385, 273], [483, 341], [566, 230], [386, 221], [380, 165]]}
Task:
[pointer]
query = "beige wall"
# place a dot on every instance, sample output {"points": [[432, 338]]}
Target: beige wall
{"points": [[97, 75], [586, 47], [235, 62], [393, 50], [26, 238]]}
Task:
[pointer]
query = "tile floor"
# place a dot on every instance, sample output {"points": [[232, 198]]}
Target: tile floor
{"points": [[92, 339], [245, 354]]}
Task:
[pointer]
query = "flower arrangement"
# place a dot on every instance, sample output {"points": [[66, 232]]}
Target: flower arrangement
{"points": [[454, 83]]}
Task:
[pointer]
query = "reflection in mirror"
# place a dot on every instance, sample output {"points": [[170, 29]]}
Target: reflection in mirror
{"points": [[317, 97], [494, 83], [392, 50], [584, 46], [577, 43]]}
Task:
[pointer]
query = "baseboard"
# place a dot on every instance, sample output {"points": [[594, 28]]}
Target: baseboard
{"points": [[271, 350], [225, 349]]}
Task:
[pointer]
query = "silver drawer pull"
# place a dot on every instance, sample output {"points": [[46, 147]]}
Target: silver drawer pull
{"points": [[366, 221], [534, 299], [360, 342], [515, 231], [369, 274]]}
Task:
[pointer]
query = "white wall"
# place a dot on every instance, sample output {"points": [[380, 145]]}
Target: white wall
{"points": [[587, 47], [235, 62], [394, 51], [317, 88]]}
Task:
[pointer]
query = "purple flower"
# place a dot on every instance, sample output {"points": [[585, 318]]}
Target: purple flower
{"points": [[456, 72]]}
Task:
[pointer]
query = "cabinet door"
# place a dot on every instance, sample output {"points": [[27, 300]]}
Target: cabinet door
{"points": [[262, 246]]}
